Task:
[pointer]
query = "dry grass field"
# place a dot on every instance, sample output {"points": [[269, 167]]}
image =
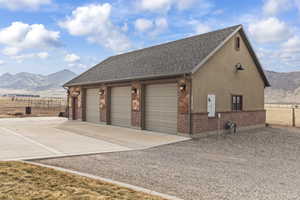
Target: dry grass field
{"points": [[21, 181], [15, 107]]}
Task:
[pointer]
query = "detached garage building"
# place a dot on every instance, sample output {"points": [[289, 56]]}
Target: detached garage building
{"points": [[188, 86]]}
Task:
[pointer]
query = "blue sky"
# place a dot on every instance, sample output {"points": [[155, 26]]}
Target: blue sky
{"points": [[44, 36]]}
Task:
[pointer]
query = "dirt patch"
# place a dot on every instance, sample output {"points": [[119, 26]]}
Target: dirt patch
{"points": [[21, 181]]}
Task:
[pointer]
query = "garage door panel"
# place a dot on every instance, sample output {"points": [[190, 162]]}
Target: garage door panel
{"points": [[163, 101], [157, 107], [161, 108], [117, 115], [92, 106], [163, 127], [162, 123], [162, 91], [121, 106], [159, 112]]}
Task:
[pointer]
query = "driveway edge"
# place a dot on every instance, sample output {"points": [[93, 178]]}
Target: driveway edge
{"points": [[126, 185]]}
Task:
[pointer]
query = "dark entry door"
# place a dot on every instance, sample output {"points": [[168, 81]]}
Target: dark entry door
{"points": [[75, 108]]}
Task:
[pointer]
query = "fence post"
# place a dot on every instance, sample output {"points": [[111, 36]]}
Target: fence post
{"points": [[294, 116]]}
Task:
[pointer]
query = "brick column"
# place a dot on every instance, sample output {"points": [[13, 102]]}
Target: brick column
{"points": [[74, 91], [69, 101], [136, 105], [183, 124], [83, 104], [104, 104], [80, 111]]}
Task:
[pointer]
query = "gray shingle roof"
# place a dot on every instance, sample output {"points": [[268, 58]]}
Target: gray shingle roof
{"points": [[177, 57]]}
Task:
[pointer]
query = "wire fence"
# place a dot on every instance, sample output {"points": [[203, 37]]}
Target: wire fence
{"points": [[38, 106]]}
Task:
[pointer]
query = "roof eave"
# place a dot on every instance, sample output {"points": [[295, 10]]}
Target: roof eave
{"points": [[128, 79]]}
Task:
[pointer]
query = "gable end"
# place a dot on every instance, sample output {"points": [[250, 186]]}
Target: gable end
{"points": [[250, 49]]}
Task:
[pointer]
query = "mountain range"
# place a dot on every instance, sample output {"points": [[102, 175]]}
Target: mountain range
{"points": [[285, 87], [35, 82]]}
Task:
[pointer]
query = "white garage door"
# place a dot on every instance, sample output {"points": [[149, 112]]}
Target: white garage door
{"points": [[121, 106], [92, 106], [161, 108]]}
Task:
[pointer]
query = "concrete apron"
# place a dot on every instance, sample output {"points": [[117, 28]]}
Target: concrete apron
{"points": [[121, 184], [131, 138], [23, 144], [40, 138]]}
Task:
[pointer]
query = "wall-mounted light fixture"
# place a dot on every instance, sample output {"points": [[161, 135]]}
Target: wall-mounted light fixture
{"points": [[76, 93], [101, 92], [239, 67], [133, 90], [182, 87]]}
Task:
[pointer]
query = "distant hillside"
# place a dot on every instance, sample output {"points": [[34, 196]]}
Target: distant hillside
{"points": [[35, 82], [285, 87]]}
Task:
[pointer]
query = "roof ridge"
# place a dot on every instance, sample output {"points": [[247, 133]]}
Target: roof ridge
{"points": [[174, 41]]}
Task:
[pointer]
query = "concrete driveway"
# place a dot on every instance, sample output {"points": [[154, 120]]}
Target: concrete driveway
{"points": [[33, 138]]}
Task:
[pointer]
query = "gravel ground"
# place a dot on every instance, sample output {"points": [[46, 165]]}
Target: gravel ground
{"points": [[257, 164]]}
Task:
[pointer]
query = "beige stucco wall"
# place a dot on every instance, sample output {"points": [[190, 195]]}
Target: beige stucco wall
{"points": [[280, 116], [218, 76]]}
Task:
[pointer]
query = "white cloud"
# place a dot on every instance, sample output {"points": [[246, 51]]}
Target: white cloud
{"points": [[93, 21], [143, 25], [23, 4], [293, 44], [185, 4], [43, 55], [19, 36], [155, 5], [161, 24], [202, 28], [218, 12], [22, 57], [165, 5], [297, 3], [286, 55], [290, 51], [11, 51], [274, 7], [199, 27], [269, 30], [125, 27], [153, 27], [72, 58], [77, 66], [2, 62]]}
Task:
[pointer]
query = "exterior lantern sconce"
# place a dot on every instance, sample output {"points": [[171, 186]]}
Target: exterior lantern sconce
{"points": [[239, 67], [182, 87], [101, 92], [76, 93], [134, 91]]}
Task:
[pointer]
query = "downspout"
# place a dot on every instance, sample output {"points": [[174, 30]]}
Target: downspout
{"points": [[190, 107], [188, 77], [68, 101]]}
